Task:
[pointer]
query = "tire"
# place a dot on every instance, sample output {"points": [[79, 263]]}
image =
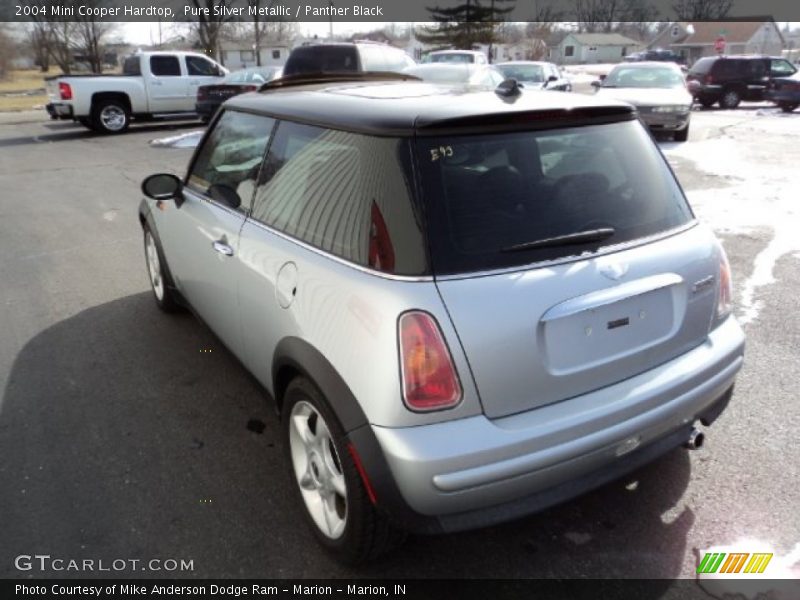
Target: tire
{"points": [[326, 480], [110, 116], [788, 107], [681, 135], [730, 99], [160, 279]]}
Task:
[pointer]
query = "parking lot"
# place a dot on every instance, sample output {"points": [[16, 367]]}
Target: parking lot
{"points": [[125, 433]]}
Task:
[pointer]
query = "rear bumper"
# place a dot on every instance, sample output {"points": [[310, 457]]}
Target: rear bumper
{"points": [[475, 471], [60, 111]]}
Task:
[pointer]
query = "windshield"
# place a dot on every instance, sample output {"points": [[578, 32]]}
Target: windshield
{"points": [[644, 77], [487, 194], [251, 76], [533, 73], [449, 58]]}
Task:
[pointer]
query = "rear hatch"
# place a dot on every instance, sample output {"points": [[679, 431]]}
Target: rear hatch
{"points": [[542, 314]]}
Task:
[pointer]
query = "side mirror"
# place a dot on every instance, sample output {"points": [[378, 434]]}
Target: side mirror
{"points": [[596, 84], [224, 194], [162, 186], [552, 78]]}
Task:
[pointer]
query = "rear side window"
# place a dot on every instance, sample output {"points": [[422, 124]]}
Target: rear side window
{"points": [[343, 193], [372, 58], [486, 194], [132, 66], [229, 162], [702, 66], [322, 59], [165, 66]]}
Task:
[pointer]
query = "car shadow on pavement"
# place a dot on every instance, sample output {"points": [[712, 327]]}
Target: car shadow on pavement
{"points": [[126, 433], [70, 132]]}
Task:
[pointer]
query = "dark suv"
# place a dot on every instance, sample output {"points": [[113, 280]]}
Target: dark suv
{"points": [[731, 79], [346, 58]]}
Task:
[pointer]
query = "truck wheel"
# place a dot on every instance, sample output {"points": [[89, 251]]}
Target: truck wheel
{"points": [[788, 107], [327, 481], [730, 99], [110, 116]]}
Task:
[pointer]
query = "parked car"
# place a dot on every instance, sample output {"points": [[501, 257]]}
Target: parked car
{"points": [[731, 79], [785, 92], [656, 55], [152, 84], [456, 56], [532, 74], [345, 58], [211, 97], [467, 306], [468, 74], [657, 90]]}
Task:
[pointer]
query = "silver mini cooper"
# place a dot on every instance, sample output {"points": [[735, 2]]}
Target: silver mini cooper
{"points": [[466, 306]]}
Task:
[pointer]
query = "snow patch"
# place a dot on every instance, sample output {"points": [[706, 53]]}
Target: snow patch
{"points": [[183, 140], [761, 196]]}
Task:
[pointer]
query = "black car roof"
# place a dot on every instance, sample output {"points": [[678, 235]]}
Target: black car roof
{"points": [[399, 108]]}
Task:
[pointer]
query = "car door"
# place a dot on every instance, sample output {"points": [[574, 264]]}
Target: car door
{"points": [[166, 84], [202, 236], [200, 71]]}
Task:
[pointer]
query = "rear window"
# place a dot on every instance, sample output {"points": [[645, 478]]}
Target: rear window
{"points": [[702, 66], [486, 194], [322, 59]]}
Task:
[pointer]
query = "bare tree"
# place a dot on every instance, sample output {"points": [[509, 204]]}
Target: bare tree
{"points": [[61, 51], [696, 10], [209, 26], [6, 51], [605, 16], [87, 38], [39, 37]]}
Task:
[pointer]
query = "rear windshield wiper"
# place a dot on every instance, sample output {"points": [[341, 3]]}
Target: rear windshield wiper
{"points": [[571, 239]]}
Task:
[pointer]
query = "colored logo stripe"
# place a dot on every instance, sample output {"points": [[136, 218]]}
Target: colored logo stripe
{"points": [[713, 562], [758, 563]]}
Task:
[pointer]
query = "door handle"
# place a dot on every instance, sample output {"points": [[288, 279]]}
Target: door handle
{"points": [[222, 248]]}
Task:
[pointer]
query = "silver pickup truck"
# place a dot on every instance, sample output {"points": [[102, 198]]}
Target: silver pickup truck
{"points": [[152, 84]]}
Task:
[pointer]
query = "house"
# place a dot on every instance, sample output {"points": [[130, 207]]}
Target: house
{"points": [[583, 48], [693, 40], [240, 56]]}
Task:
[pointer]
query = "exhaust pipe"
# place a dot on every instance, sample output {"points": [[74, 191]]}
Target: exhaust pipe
{"points": [[695, 441]]}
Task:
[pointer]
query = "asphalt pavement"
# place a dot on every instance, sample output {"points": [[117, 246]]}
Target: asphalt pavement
{"points": [[129, 434]]}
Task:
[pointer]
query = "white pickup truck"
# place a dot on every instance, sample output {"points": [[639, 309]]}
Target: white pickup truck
{"points": [[152, 84]]}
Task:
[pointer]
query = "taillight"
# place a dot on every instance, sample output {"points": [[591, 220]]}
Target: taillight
{"points": [[65, 90], [725, 298], [250, 88], [201, 93], [430, 381], [709, 79]]}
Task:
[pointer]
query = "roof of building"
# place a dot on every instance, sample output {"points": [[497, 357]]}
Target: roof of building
{"points": [[734, 32], [393, 108], [604, 39]]}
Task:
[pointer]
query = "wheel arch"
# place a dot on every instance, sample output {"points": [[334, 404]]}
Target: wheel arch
{"points": [[119, 96], [296, 357]]}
